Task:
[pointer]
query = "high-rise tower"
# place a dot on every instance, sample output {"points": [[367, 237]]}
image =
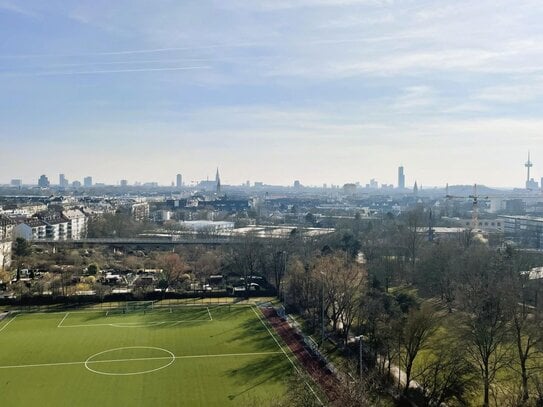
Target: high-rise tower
{"points": [[401, 178], [62, 181]]}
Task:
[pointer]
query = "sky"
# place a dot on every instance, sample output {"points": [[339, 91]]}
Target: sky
{"points": [[321, 91]]}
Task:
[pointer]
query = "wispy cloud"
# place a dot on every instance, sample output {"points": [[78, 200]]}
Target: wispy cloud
{"points": [[15, 8], [427, 83]]}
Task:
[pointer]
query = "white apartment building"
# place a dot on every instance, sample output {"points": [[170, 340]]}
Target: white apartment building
{"points": [[30, 229], [57, 228], [77, 223], [6, 236]]}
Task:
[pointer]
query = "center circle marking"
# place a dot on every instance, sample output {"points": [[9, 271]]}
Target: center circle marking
{"points": [[168, 359]]}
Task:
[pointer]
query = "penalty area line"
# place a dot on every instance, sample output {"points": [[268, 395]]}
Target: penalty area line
{"points": [[60, 323], [9, 322]]}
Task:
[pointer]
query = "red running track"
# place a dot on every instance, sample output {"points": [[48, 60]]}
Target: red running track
{"points": [[313, 366]]}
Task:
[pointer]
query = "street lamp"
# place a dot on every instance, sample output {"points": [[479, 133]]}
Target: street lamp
{"points": [[322, 309], [359, 337]]}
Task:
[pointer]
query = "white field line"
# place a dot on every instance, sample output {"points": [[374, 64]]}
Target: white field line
{"points": [[60, 323], [9, 322], [140, 359], [285, 353], [156, 307], [135, 324], [209, 313]]}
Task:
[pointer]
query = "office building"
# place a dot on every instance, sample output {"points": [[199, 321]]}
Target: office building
{"points": [[62, 181], [124, 183], [43, 182], [179, 181], [532, 185], [16, 183], [87, 182]]}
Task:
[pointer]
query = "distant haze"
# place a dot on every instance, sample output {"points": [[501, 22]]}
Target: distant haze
{"points": [[322, 91]]}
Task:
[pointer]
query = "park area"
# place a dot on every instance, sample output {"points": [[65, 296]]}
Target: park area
{"points": [[141, 355]]}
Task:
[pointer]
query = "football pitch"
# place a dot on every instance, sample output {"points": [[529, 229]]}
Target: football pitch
{"points": [[179, 356]]}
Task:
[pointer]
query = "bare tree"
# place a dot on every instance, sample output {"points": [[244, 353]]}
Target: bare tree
{"points": [[446, 376], [485, 323], [419, 326], [413, 236], [343, 281], [173, 267], [526, 331], [207, 264], [303, 287], [247, 258]]}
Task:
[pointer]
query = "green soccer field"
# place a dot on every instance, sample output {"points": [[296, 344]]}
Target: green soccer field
{"points": [[188, 356]]}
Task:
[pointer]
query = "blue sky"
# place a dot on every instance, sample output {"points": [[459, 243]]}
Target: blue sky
{"points": [[324, 91]]}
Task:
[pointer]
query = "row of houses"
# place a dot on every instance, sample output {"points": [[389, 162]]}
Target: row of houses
{"points": [[64, 225]]}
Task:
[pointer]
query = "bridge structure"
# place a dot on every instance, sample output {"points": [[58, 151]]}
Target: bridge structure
{"points": [[142, 242]]}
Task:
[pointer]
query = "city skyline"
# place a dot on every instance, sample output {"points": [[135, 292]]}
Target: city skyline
{"points": [[274, 90], [402, 182]]}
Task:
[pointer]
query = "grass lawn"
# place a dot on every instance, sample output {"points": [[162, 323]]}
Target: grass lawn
{"points": [[178, 356]]}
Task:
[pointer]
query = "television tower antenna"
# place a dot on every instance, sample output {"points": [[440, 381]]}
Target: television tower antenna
{"points": [[528, 165]]}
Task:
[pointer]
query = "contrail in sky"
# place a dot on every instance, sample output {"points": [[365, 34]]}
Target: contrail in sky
{"points": [[209, 47], [58, 73]]}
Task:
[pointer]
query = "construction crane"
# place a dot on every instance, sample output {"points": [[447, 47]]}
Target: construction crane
{"points": [[475, 206], [475, 197]]}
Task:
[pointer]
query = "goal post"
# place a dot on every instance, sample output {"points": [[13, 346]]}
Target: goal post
{"points": [[135, 306], [130, 307]]}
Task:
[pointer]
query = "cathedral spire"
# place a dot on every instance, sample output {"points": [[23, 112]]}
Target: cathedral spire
{"points": [[218, 181]]}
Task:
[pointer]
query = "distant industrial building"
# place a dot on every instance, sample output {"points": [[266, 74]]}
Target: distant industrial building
{"points": [[524, 230], [16, 183], [207, 225], [124, 183]]}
